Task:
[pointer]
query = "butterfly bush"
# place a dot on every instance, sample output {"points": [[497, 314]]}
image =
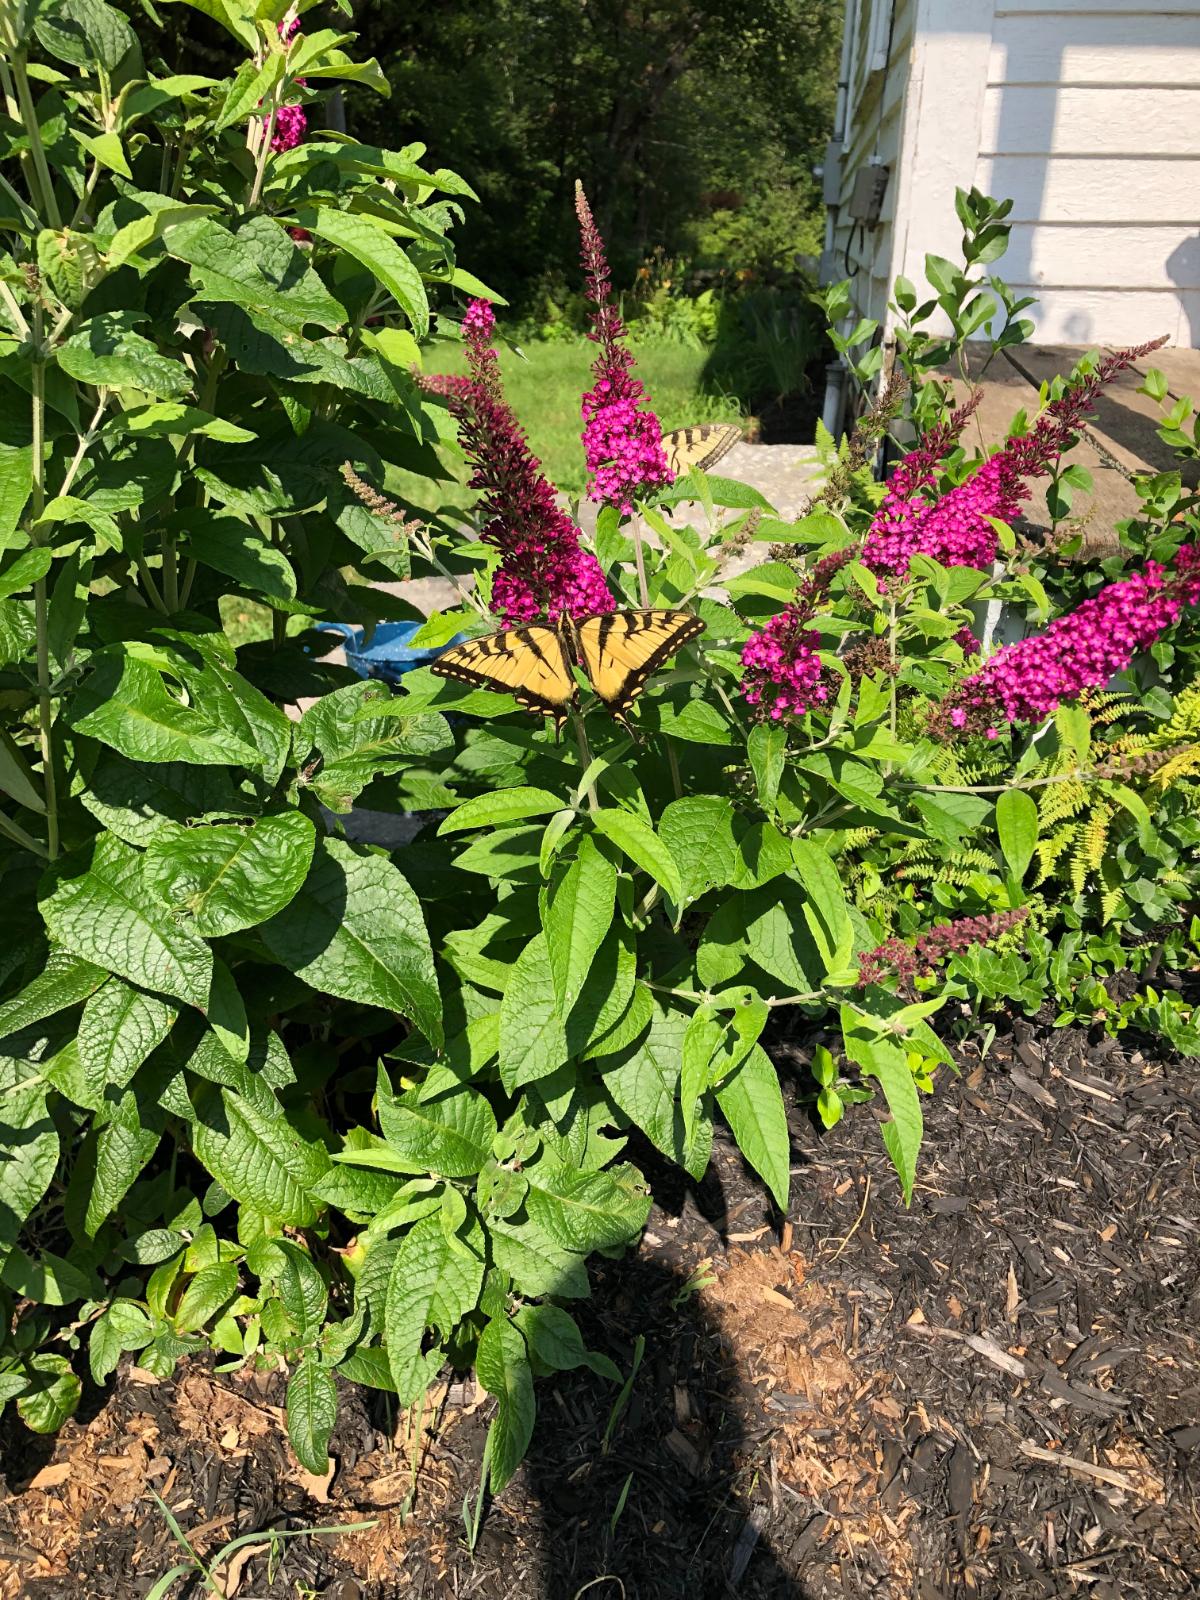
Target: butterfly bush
{"points": [[622, 437], [955, 529], [544, 570], [1026, 681], [784, 676]]}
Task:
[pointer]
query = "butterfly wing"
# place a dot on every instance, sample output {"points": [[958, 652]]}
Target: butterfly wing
{"points": [[529, 663], [701, 446], [621, 650]]}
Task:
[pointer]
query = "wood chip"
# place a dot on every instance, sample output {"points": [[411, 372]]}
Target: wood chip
{"points": [[57, 1472], [1085, 1469]]}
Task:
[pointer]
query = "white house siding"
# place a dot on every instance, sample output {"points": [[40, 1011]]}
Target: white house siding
{"points": [[1086, 113]]}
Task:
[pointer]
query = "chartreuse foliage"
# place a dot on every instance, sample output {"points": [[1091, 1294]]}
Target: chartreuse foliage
{"points": [[276, 1093]]}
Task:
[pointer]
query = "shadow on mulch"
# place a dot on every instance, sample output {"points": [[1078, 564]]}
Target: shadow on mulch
{"points": [[993, 1394]]}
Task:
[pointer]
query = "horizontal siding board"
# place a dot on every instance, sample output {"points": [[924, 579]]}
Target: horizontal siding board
{"points": [[1150, 48], [1104, 257], [1072, 189], [1115, 316], [1077, 8], [1021, 119]]}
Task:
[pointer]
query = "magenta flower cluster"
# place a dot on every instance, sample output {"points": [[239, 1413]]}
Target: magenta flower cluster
{"points": [[291, 122], [784, 676], [1027, 681], [622, 437], [544, 571], [954, 528]]}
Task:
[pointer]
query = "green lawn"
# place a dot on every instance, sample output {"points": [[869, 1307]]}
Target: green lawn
{"points": [[544, 384]]}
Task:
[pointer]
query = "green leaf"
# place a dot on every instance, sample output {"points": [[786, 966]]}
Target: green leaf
{"points": [[107, 150], [502, 1366], [825, 911], [227, 1014], [535, 1262], [698, 831], [586, 1211], [431, 1287], [258, 269], [1017, 825], [638, 840], [123, 1326], [644, 1082], [766, 749], [107, 351], [499, 807], [356, 732], [29, 1141], [241, 553], [443, 1127], [556, 1344], [301, 1288], [361, 238], [355, 930], [96, 904], [576, 916], [64, 981], [135, 801], [119, 1028], [107, 1164], [125, 704], [226, 877], [205, 1295], [54, 1393], [311, 1413], [259, 1159], [25, 571], [700, 1041], [752, 1104], [882, 1059], [533, 1035]]}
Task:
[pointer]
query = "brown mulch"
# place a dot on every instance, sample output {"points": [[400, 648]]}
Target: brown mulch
{"points": [[994, 1394]]}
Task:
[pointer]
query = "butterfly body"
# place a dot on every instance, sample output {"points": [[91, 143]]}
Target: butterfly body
{"points": [[616, 652]]}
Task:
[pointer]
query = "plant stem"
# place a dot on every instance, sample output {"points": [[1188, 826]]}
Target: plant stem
{"points": [[86, 440], [45, 184], [639, 557], [170, 573], [264, 151], [148, 583], [585, 757], [41, 606]]}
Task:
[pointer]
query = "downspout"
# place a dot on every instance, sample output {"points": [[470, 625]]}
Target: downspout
{"points": [[831, 175]]}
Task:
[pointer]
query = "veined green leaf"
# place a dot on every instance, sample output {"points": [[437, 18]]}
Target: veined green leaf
{"points": [[1017, 825], [259, 1159], [108, 351], [500, 807], [577, 914], [752, 1103], [638, 840], [64, 981], [119, 1028], [444, 1127], [431, 1286], [358, 236], [311, 1413], [97, 905], [125, 704], [502, 1365], [223, 878], [355, 930]]}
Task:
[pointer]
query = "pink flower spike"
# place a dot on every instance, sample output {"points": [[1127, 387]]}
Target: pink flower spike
{"points": [[544, 570], [622, 437]]}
